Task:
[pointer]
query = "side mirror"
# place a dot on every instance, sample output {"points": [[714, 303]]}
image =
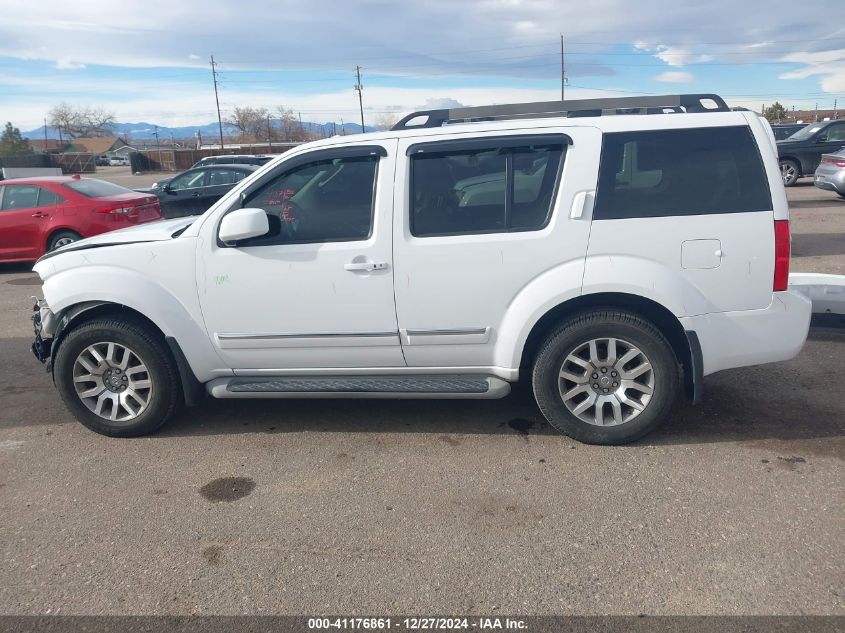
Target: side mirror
{"points": [[243, 224], [167, 189]]}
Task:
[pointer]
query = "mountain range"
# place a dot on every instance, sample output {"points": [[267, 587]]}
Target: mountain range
{"points": [[209, 131]]}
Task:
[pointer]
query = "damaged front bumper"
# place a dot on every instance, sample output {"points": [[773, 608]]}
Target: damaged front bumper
{"points": [[44, 324]]}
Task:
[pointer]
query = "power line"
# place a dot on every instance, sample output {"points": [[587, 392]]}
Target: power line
{"points": [[217, 100]]}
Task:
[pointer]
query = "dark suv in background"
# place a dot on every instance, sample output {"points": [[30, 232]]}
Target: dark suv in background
{"points": [[195, 190], [801, 153], [785, 130]]}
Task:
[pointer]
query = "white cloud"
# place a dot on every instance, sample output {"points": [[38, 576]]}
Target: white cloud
{"points": [[192, 56], [829, 65], [674, 55], [675, 77], [66, 64]]}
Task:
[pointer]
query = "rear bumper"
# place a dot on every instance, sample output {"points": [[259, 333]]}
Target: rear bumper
{"points": [[828, 186], [752, 337]]}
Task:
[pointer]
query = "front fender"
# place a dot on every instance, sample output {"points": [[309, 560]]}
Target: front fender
{"points": [[69, 290]]}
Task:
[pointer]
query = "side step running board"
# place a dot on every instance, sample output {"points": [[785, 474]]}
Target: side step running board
{"points": [[416, 386]]}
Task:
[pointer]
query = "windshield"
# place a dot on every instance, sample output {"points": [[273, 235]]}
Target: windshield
{"points": [[805, 132], [92, 188]]}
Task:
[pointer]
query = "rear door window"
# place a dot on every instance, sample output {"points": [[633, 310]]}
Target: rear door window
{"points": [[661, 173], [503, 186]]}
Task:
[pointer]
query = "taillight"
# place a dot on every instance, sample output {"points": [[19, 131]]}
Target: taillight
{"points": [[115, 210], [781, 255], [839, 162]]}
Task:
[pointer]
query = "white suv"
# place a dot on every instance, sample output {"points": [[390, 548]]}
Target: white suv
{"points": [[612, 252]]}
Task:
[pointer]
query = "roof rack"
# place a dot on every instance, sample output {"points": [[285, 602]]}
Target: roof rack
{"points": [[658, 104]]}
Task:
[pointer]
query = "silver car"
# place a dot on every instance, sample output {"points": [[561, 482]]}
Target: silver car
{"points": [[830, 174]]}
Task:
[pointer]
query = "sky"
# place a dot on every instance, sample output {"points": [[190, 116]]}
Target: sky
{"points": [[149, 61]]}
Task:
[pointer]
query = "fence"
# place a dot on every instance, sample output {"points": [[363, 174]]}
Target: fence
{"points": [[182, 159], [75, 163]]}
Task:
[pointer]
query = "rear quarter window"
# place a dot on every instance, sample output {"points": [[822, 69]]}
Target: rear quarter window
{"points": [[681, 172]]}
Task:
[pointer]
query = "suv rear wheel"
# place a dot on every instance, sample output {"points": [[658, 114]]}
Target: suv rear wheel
{"points": [[605, 377], [116, 377]]}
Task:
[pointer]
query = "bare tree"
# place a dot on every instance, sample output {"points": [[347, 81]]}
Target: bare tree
{"points": [[291, 129], [250, 122], [75, 122]]}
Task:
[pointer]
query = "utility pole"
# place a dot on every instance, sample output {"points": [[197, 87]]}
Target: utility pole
{"points": [[301, 129], [562, 69], [269, 138], [45, 129], [834, 110], [217, 99], [155, 133], [359, 89]]}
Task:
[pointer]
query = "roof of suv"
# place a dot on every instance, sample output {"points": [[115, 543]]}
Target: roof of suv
{"points": [[619, 123]]}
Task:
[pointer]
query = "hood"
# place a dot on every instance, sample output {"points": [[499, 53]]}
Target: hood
{"points": [[155, 188], [147, 232]]}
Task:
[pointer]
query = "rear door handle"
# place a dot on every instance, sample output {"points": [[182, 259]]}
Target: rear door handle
{"points": [[39, 214], [365, 266]]}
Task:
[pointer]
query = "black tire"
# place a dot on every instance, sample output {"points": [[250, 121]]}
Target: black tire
{"points": [[147, 345], [789, 181], [598, 324], [58, 237]]}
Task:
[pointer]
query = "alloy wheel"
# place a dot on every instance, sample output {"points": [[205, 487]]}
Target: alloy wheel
{"points": [[787, 172], [112, 381], [606, 381]]}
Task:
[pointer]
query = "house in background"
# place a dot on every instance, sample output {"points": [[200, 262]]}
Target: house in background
{"points": [[50, 145], [101, 146]]}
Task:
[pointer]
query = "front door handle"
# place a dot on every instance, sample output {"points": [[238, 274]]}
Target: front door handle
{"points": [[582, 204], [365, 266], [39, 214]]}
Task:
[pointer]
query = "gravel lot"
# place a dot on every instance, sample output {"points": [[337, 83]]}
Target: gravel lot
{"points": [[380, 507]]}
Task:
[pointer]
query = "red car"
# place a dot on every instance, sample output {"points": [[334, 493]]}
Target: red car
{"points": [[40, 214]]}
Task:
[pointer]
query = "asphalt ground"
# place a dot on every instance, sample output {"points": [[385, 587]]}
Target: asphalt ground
{"points": [[427, 507]]}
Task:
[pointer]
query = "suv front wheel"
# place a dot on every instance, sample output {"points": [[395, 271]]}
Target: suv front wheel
{"points": [[605, 377], [117, 377]]}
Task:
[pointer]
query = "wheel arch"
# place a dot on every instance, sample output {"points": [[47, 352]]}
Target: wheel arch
{"points": [[82, 313], [795, 160], [684, 344], [58, 229]]}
